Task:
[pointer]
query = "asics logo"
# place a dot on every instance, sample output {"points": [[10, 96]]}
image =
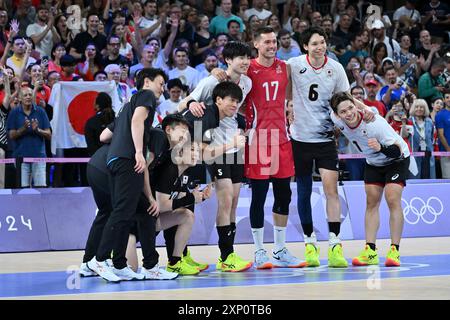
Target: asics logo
{"points": [[395, 176], [276, 258], [417, 209], [303, 70]]}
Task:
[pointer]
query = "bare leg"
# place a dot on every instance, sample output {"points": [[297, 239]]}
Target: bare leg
{"points": [[224, 193], [393, 195], [184, 219], [131, 253], [329, 182], [372, 219]]}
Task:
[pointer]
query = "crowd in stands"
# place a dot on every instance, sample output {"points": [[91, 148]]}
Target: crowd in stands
{"points": [[397, 62]]}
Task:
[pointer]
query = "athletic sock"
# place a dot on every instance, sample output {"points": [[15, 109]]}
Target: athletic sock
{"points": [[185, 251], [372, 246], [225, 244], [173, 260], [233, 231], [258, 238], [279, 236], [334, 227]]}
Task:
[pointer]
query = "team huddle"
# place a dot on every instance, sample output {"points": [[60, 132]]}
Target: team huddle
{"points": [[233, 124]]}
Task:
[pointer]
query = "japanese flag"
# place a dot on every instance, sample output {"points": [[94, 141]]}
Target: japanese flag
{"points": [[73, 104]]}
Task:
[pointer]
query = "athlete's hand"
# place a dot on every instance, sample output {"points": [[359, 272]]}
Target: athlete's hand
{"points": [[374, 144], [239, 141], [207, 191], [368, 116], [196, 108], [198, 195], [153, 209], [139, 167], [219, 74]]}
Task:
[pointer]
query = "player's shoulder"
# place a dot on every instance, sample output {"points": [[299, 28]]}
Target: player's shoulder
{"points": [[297, 60]]}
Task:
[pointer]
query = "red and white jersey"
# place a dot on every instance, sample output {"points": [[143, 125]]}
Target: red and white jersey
{"points": [[265, 112]]}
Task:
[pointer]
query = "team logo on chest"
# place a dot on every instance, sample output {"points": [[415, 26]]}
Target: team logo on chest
{"points": [[364, 132], [278, 69], [329, 73]]}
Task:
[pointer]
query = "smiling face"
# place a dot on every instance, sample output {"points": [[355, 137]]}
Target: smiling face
{"points": [[347, 112], [239, 64], [316, 46], [227, 105], [266, 45]]}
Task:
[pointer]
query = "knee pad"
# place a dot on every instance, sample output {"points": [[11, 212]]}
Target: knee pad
{"points": [[282, 197]]}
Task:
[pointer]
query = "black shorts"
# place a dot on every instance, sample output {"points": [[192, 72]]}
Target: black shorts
{"points": [[229, 168], [396, 172], [324, 154]]}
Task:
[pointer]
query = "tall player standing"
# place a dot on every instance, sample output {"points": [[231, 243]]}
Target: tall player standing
{"points": [[315, 78], [269, 154]]}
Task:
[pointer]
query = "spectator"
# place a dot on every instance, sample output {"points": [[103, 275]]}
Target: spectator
{"points": [[100, 76], [148, 56], [219, 23], [422, 139], [431, 84], [123, 91], [42, 91], [25, 14], [29, 127], [17, 60], [369, 67], [379, 35], [427, 51], [379, 53], [68, 67], [258, 10], [408, 10], [169, 106], [408, 65], [371, 88], [43, 31], [211, 62], [4, 111], [203, 39], [343, 29], [64, 32], [355, 25], [435, 19], [316, 19], [122, 32], [443, 128], [91, 35], [234, 32], [3, 33], [274, 23], [58, 51], [52, 78], [151, 24], [253, 24], [184, 30], [394, 89], [113, 56], [188, 75], [91, 64], [287, 50], [397, 117], [96, 124], [354, 51], [161, 56]]}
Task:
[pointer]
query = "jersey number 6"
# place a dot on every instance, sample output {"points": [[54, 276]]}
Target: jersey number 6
{"points": [[313, 95]]}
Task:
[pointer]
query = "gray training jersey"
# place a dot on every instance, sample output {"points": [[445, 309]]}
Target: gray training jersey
{"points": [[228, 126], [312, 90], [378, 129]]}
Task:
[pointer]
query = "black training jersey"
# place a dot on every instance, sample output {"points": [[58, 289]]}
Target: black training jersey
{"points": [[201, 128], [168, 180], [122, 145]]}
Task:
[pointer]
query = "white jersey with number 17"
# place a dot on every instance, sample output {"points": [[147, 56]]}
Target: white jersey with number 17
{"points": [[312, 89]]}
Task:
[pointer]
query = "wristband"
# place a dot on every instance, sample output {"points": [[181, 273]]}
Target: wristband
{"points": [[186, 201], [189, 103], [392, 151]]}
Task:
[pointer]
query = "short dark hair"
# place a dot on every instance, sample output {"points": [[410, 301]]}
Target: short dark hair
{"points": [[262, 30], [227, 89], [235, 49], [339, 97], [90, 15], [113, 36], [173, 120], [100, 72], [150, 73], [232, 21], [282, 33], [181, 49], [389, 68], [307, 35], [172, 83], [439, 62], [103, 101], [221, 34]]}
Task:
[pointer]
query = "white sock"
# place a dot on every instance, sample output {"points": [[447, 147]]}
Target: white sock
{"points": [[333, 240], [279, 236], [258, 238], [310, 240]]}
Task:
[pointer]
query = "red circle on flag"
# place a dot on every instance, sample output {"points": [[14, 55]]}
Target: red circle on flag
{"points": [[80, 109]]}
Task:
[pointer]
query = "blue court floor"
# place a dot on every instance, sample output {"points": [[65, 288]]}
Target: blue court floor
{"points": [[69, 283]]}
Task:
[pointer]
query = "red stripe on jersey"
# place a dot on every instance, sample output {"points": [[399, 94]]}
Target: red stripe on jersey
{"points": [[317, 68]]}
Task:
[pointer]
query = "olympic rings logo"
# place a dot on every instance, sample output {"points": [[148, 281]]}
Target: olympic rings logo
{"points": [[417, 210]]}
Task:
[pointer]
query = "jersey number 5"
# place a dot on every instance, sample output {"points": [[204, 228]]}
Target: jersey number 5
{"points": [[313, 95], [275, 91]]}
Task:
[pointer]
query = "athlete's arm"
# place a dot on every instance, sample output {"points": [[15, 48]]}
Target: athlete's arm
{"points": [[137, 133], [166, 204], [443, 139], [369, 115], [391, 151], [289, 86], [153, 208], [106, 136], [212, 152]]}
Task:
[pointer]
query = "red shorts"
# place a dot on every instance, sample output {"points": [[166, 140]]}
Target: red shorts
{"points": [[264, 162]]}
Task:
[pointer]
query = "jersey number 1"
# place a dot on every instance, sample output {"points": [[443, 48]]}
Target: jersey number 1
{"points": [[275, 91]]}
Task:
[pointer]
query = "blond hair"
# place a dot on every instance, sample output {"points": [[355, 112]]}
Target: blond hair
{"points": [[417, 103]]}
